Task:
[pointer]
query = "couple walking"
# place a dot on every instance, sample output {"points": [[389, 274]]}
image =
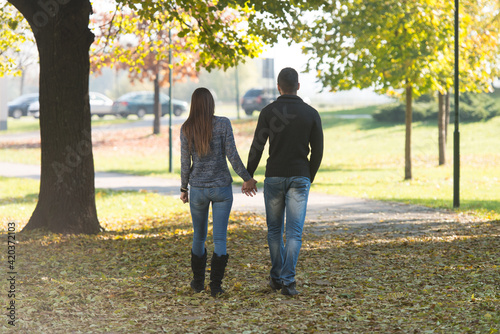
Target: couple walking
{"points": [[295, 152]]}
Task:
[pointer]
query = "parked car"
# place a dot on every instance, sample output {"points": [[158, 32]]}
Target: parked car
{"points": [[19, 106], [100, 105], [257, 98], [142, 103]]}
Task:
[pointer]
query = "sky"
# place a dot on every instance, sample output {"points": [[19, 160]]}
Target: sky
{"points": [[292, 56]]}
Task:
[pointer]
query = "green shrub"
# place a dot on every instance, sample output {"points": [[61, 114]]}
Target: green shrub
{"points": [[390, 113], [473, 108], [397, 113], [426, 98], [425, 110]]}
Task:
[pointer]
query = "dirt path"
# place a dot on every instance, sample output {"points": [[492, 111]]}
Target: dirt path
{"points": [[339, 214]]}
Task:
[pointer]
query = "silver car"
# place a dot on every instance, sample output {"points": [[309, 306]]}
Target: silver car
{"points": [[100, 105]]}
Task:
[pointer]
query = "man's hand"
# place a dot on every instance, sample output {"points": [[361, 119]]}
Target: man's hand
{"points": [[249, 187], [184, 197]]}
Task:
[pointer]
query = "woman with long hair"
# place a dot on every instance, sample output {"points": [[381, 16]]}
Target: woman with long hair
{"points": [[206, 141]]}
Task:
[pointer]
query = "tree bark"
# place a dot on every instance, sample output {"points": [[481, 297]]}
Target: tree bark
{"points": [[66, 202], [21, 88], [447, 116], [408, 120], [441, 129]]}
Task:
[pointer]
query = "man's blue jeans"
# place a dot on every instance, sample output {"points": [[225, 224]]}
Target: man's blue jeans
{"points": [[199, 203], [285, 196]]}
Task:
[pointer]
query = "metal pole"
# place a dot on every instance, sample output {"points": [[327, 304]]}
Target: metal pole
{"points": [[4, 114], [456, 135], [157, 105], [237, 92], [170, 104]]}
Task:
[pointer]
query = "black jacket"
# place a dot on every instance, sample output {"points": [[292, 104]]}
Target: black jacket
{"points": [[294, 130]]}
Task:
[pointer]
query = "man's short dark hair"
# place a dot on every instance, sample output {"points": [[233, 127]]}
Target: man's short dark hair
{"points": [[288, 80]]}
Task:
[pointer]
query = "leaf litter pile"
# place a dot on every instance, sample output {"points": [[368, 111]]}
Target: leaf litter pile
{"points": [[134, 278]]}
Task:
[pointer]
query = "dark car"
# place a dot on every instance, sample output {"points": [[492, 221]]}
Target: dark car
{"points": [[142, 103], [19, 106], [257, 98]]}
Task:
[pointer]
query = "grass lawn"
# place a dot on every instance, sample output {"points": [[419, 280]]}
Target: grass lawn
{"points": [[24, 124], [364, 158], [29, 124], [19, 197]]}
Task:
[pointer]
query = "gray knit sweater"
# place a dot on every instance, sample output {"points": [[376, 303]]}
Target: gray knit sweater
{"points": [[211, 170]]}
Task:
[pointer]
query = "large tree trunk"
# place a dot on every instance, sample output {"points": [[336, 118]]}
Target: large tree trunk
{"points": [[408, 120], [66, 203], [441, 129]]}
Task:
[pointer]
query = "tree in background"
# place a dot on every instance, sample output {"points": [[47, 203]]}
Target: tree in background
{"points": [[479, 63], [142, 46], [388, 45], [16, 44], [66, 202], [397, 46], [12, 36], [124, 41]]}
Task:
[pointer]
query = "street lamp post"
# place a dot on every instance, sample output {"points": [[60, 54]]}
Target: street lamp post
{"points": [[170, 104], [3, 105], [456, 135]]}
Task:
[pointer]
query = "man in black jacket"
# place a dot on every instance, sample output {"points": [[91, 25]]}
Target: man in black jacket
{"points": [[295, 152]]}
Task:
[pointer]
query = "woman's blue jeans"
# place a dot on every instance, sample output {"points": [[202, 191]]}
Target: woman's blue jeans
{"points": [[285, 197], [199, 203]]}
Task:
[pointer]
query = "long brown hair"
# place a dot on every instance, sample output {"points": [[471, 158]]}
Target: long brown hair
{"points": [[198, 127]]}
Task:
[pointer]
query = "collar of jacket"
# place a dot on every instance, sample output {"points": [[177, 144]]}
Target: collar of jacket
{"points": [[289, 98]]}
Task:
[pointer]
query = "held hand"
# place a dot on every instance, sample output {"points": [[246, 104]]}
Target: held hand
{"points": [[249, 187], [184, 197]]}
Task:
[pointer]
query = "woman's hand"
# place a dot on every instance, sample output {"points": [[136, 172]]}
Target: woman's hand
{"points": [[184, 197]]}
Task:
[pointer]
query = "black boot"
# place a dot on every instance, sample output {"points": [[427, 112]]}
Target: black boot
{"points": [[217, 274], [198, 265], [289, 290], [275, 284]]}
